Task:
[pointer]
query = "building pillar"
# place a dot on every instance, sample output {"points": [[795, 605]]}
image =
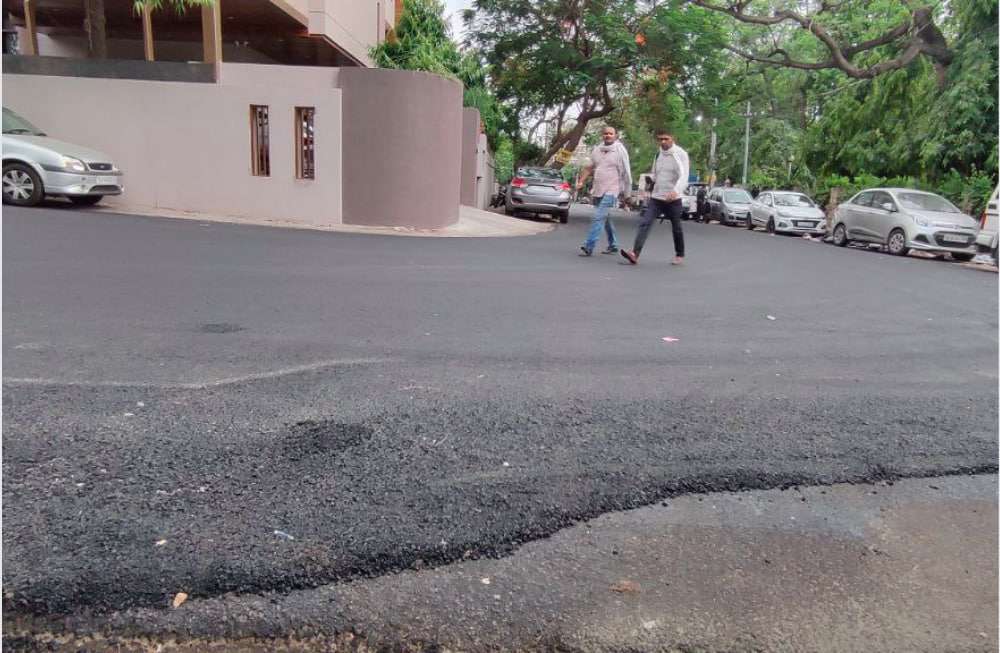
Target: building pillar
{"points": [[31, 28], [147, 32], [211, 32]]}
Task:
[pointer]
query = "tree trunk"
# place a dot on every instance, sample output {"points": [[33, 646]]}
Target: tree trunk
{"points": [[95, 27]]}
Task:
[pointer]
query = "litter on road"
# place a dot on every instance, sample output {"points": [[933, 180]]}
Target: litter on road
{"points": [[284, 535]]}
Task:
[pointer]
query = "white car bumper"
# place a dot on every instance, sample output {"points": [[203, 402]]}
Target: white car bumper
{"points": [[71, 183]]}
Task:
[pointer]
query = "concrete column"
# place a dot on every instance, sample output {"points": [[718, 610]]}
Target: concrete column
{"points": [[211, 32], [470, 147], [31, 28], [147, 32]]}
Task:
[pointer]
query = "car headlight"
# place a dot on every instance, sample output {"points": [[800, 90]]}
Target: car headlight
{"points": [[74, 165], [922, 222]]}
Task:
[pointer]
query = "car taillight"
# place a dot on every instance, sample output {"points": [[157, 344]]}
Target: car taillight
{"points": [[563, 186], [517, 182], [982, 220]]}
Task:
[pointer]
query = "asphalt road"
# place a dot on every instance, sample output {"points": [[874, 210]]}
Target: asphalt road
{"points": [[213, 408]]}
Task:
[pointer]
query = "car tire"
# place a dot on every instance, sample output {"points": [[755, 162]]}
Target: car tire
{"points": [[840, 238], [508, 210], [770, 226], [750, 222], [86, 200], [965, 258], [896, 243], [563, 217], [21, 185]]}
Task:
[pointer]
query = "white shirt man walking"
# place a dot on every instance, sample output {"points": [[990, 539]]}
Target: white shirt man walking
{"points": [[670, 172], [612, 171]]}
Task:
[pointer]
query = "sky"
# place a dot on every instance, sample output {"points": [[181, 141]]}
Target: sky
{"points": [[453, 11]]}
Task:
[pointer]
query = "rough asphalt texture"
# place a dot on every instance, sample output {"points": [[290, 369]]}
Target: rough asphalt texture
{"points": [[906, 567], [176, 393]]}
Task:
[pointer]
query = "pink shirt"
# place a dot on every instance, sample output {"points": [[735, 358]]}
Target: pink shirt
{"points": [[607, 175]]}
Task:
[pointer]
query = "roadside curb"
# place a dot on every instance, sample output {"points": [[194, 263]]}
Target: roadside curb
{"points": [[472, 223]]}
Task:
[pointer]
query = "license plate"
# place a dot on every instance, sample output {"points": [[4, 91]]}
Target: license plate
{"points": [[807, 225], [948, 238], [107, 181], [545, 190]]}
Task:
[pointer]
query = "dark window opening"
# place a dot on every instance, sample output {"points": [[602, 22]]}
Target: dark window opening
{"points": [[260, 141], [305, 143]]}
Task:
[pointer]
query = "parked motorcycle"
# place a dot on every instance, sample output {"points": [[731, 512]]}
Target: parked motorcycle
{"points": [[500, 198]]}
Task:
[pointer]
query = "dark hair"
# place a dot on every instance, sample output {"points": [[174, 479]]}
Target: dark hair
{"points": [[664, 132]]}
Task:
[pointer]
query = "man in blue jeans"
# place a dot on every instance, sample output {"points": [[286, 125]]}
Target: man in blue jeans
{"points": [[612, 172]]}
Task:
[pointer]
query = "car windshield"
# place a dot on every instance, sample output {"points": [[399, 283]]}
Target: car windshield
{"points": [[15, 124], [926, 202], [792, 199], [737, 196], [543, 173]]}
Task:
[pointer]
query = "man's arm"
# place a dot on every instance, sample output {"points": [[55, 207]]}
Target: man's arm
{"points": [[584, 176]]}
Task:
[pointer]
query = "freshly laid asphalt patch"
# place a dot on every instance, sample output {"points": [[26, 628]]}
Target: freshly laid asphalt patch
{"points": [[478, 393]]}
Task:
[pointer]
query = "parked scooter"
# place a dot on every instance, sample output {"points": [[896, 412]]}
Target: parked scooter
{"points": [[500, 198]]}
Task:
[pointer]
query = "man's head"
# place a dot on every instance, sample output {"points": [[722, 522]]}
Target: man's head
{"points": [[609, 135], [666, 139]]}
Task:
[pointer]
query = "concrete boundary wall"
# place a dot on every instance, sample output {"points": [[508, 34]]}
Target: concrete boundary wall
{"points": [[402, 148], [388, 142], [186, 147], [470, 155]]}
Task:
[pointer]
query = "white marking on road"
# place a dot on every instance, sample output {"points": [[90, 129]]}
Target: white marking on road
{"points": [[232, 380]]}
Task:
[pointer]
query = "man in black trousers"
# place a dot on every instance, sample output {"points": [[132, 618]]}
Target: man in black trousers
{"points": [[670, 175]]}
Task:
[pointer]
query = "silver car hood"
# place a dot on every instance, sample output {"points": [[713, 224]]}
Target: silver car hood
{"points": [[62, 147], [945, 219], [801, 212]]}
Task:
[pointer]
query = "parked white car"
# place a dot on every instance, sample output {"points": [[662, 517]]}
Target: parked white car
{"points": [[36, 166], [781, 211], [903, 219]]}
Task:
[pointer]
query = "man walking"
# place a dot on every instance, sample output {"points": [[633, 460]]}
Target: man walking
{"points": [[612, 172], [670, 175]]}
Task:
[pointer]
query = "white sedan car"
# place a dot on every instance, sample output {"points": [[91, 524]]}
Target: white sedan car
{"points": [[36, 166], [781, 211]]}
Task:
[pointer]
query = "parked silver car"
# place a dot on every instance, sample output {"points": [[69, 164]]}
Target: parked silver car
{"points": [[903, 219], [36, 166], [782, 211], [729, 205], [539, 190]]}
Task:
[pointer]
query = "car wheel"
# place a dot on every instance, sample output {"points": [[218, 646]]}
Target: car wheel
{"points": [[508, 210], [563, 217], [840, 236], [965, 258], [897, 243], [750, 222], [86, 200], [770, 226], [21, 185]]}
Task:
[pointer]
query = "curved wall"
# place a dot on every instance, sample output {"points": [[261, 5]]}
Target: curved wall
{"points": [[402, 148]]}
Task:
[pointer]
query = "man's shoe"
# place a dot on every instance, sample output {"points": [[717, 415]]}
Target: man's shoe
{"points": [[678, 260], [584, 251], [631, 257], [610, 250]]}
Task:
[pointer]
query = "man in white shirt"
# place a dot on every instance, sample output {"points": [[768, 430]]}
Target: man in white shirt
{"points": [[670, 172]]}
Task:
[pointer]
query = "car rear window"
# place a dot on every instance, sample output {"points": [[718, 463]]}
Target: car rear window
{"points": [[543, 173]]}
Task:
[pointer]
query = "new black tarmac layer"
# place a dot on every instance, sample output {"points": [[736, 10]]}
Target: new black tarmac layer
{"points": [[210, 409]]}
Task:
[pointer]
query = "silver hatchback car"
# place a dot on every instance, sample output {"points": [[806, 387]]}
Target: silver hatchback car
{"points": [[36, 166], [903, 219]]}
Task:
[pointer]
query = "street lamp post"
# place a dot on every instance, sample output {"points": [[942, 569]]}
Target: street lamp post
{"points": [[746, 146], [711, 152]]}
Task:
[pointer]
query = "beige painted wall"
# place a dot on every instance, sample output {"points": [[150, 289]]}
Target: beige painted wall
{"points": [[470, 155], [402, 147], [187, 146], [485, 174], [351, 24]]}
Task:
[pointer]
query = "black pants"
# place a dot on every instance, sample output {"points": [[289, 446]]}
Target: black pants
{"points": [[672, 210]]}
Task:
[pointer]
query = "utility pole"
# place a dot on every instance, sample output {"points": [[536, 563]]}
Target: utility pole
{"points": [[746, 146], [711, 154]]}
